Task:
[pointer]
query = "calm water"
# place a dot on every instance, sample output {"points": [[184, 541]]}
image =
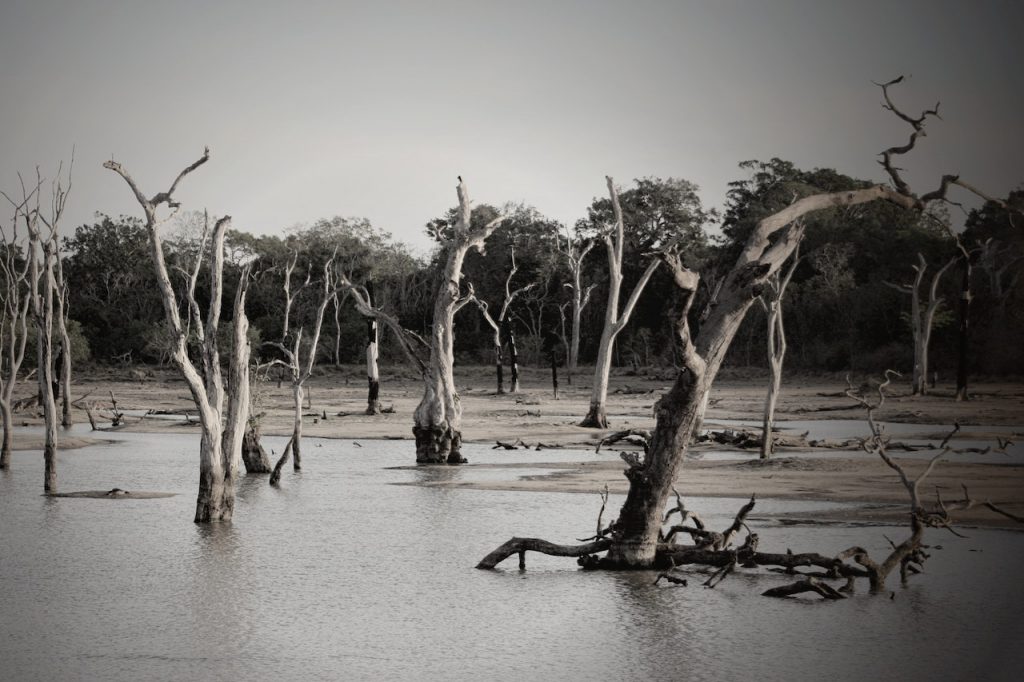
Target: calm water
{"points": [[340, 574]]}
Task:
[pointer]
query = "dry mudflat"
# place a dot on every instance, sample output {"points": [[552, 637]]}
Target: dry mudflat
{"points": [[338, 400]]}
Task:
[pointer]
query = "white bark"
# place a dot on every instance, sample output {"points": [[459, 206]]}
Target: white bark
{"points": [[614, 320], [14, 308], [218, 467], [772, 302], [574, 254], [922, 319], [437, 420]]}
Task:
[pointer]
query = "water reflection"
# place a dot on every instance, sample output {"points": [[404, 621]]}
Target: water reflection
{"points": [[340, 574]]}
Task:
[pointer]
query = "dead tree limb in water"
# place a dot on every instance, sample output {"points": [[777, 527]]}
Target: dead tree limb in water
{"points": [[635, 541], [219, 451], [771, 300], [614, 319], [921, 320]]}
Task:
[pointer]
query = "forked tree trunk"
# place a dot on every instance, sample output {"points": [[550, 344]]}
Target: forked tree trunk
{"points": [[634, 541], [42, 286], [921, 320], [437, 420], [614, 321], [776, 350], [13, 336], [218, 456]]}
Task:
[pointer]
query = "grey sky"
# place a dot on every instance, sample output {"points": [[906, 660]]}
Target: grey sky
{"points": [[313, 109]]}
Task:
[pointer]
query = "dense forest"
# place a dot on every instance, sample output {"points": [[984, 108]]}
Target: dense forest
{"points": [[844, 309]]}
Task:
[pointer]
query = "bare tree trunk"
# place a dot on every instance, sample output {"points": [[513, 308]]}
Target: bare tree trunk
{"points": [[14, 308], [217, 465], [337, 333], [614, 321], [253, 454], [921, 321], [513, 355], [372, 371], [575, 252], [61, 298], [5, 447], [963, 331], [42, 291], [437, 420], [297, 394], [776, 349]]}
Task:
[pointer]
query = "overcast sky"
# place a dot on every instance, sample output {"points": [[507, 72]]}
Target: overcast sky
{"points": [[315, 109]]}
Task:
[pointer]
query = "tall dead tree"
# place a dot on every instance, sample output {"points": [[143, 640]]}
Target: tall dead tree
{"points": [[221, 415], [771, 300], [502, 329], [921, 320], [301, 371], [437, 420], [635, 539], [41, 252], [14, 308], [614, 319], [575, 251], [62, 313]]}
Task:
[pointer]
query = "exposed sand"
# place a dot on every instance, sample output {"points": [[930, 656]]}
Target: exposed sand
{"points": [[535, 417]]}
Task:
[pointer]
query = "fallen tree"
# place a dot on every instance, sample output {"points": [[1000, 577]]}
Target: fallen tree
{"points": [[636, 540]]}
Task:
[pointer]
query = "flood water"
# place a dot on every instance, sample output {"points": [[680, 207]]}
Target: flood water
{"points": [[340, 574]]}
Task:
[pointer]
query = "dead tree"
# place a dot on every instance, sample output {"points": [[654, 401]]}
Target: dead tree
{"points": [[42, 291], [220, 442], [575, 251], [502, 329], [372, 355], [771, 301], [614, 319], [437, 421], [62, 315], [300, 371], [14, 309], [633, 540], [921, 320]]}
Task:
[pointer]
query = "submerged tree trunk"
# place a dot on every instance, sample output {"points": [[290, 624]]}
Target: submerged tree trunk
{"points": [[253, 455], [437, 419], [218, 465], [5, 446], [297, 395]]}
